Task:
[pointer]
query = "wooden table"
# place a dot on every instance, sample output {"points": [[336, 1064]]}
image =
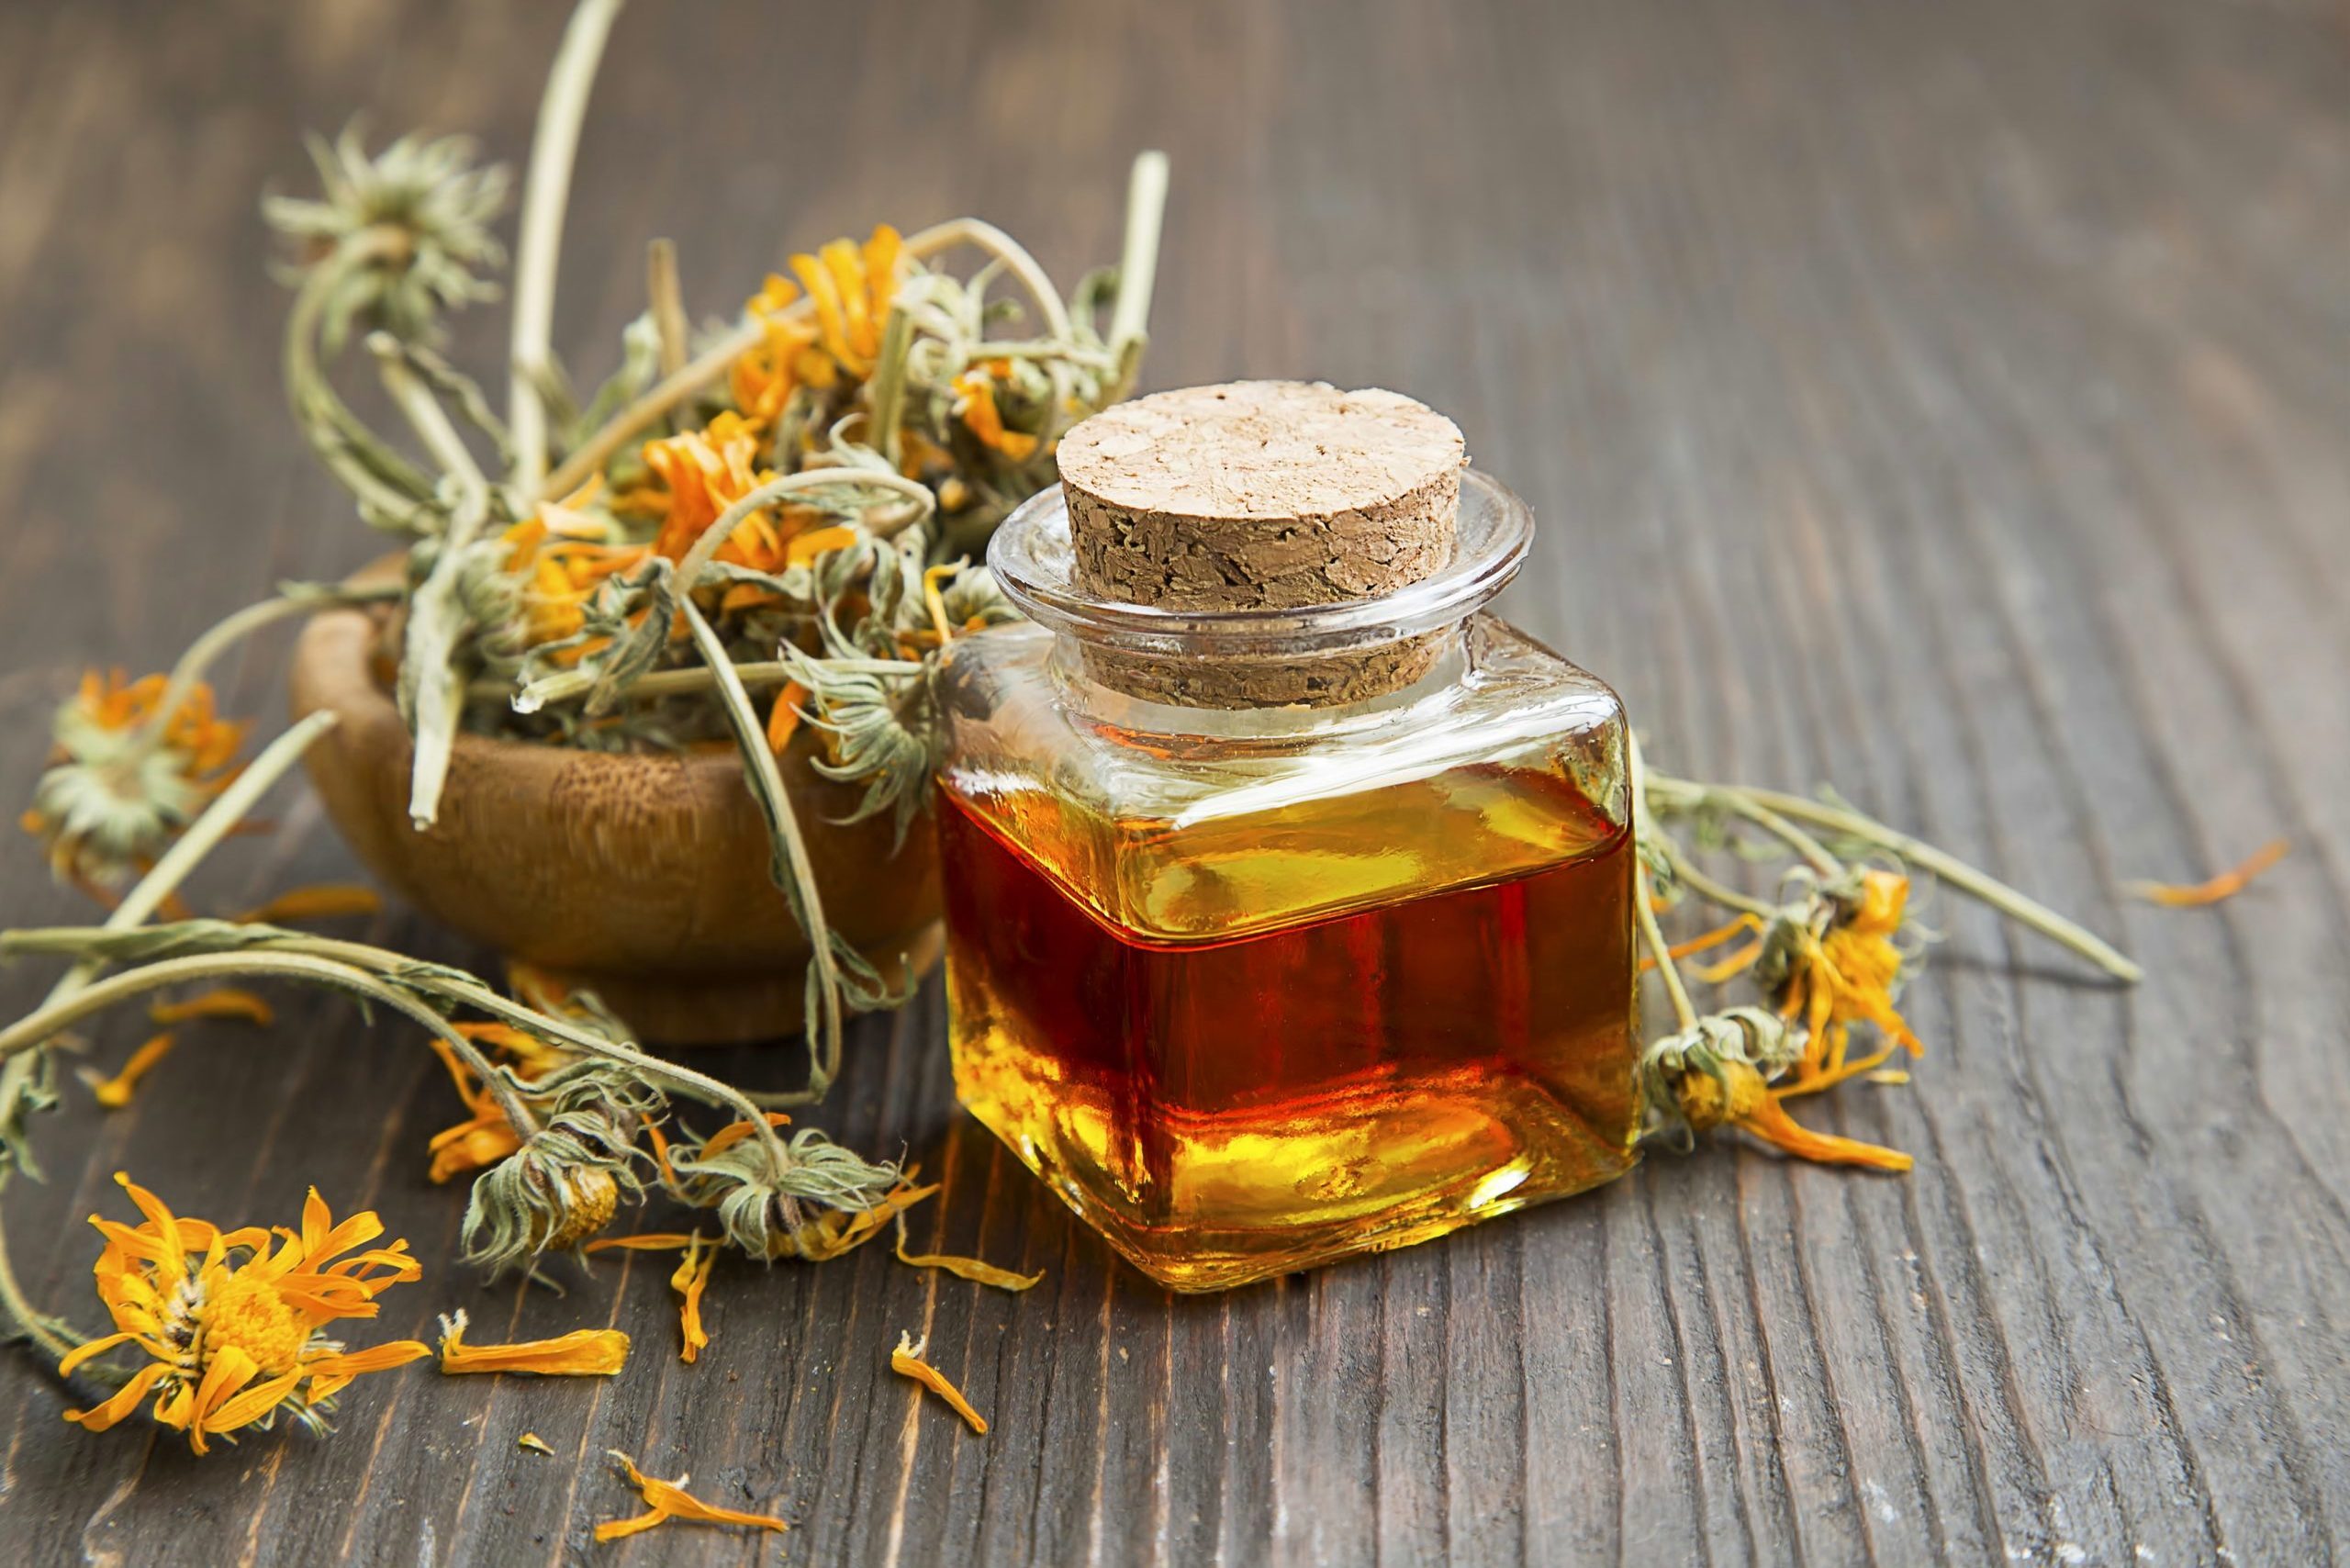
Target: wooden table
{"points": [[1953, 402]]}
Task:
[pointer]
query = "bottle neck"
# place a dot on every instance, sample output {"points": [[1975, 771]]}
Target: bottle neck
{"points": [[1116, 706]]}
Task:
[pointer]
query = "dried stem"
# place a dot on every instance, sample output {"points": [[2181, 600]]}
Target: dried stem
{"points": [[436, 620], [1138, 267], [28, 1032], [1644, 890], [544, 198], [225, 634], [1687, 874], [56, 1338], [214, 824], [792, 869], [1814, 853], [1680, 794], [669, 304], [351, 452]]}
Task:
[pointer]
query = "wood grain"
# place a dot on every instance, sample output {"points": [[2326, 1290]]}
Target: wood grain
{"points": [[1951, 402]]}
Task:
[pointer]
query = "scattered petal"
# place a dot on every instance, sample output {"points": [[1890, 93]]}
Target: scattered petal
{"points": [[976, 1270], [669, 1500], [906, 1360], [535, 1443], [584, 1352], [221, 1002], [115, 1092], [691, 1276], [321, 901], [2226, 885]]}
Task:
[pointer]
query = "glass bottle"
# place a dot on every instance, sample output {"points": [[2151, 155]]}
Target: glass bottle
{"points": [[1257, 988]]}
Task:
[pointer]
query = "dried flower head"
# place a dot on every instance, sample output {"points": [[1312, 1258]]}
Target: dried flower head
{"points": [[564, 1183], [234, 1330], [771, 1197], [117, 790], [1719, 1072], [413, 224], [1834, 961]]}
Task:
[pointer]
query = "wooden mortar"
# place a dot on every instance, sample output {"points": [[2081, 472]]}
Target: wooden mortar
{"points": [[642, 877]]}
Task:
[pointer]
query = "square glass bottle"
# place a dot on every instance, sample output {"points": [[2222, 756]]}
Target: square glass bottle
{"points": [[1254, 987]]}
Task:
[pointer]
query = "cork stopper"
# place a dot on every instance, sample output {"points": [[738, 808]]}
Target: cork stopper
{"points": [[1270, 495]]}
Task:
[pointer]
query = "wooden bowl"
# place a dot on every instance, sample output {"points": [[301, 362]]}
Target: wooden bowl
{"points": [[641, 878]]}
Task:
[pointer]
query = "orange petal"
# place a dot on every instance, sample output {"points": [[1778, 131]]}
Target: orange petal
{"points": [[906, 1360], [1771, 1123], [2226, 885], [115, 1092], [584, 1352]]}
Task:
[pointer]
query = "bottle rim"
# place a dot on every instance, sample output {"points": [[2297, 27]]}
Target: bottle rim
{"points": [[1034, 564]]}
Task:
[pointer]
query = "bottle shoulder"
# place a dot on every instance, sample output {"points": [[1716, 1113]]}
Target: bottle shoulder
{"points": [[1510, 762]]}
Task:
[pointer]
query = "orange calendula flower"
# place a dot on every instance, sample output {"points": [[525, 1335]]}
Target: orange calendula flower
{"points": [[762, 378], [975, 405], [1844, 975], [584, 1352], [1741, 1099], [906, 1362], [234, 1329], [114, 796], [701, 474], [559, 576], [669, 1500], [851, 286]]}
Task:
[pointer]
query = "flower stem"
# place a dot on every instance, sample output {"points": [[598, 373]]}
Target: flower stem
{"points": [[1644, 890], [1814, 853], [553, 148], [56, 1338], [1679, 794], [1706, 887], [1138, 267], [98, 995], [669, 302], [789, 865], [433, 695]]}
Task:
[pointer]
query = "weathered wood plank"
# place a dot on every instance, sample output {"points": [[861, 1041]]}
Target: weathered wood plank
{"points": [[1950, 401]]}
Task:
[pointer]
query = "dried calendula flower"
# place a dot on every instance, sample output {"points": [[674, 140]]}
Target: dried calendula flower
{"points": [[405, 231], [234, 1329], [584, 1352], [120, 786], [564, 1183], [1833, 962], [669, 1500], [906, 1362], [1717, 1071]]}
